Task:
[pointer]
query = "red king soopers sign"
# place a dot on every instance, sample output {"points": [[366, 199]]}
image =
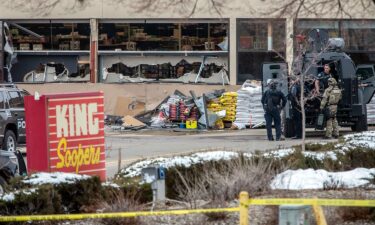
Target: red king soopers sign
{"points": [[65, 133]]}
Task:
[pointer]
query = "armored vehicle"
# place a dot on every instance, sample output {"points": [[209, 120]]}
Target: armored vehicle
{"points": [[357, 90]]}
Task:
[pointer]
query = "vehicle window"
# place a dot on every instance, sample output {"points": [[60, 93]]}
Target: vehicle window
{"points": [[1, 100], [365, 73], [15, 99]]}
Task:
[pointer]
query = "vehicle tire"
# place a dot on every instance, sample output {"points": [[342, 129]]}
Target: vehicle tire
{"points": [[3, 185], [289, 128], [10, 141], [361, 124]]}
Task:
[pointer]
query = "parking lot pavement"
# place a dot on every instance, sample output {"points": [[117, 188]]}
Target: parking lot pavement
{"points": [[147, 144]]}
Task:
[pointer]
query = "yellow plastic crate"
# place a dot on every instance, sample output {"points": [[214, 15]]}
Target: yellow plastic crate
{"points": [[191, 124]]}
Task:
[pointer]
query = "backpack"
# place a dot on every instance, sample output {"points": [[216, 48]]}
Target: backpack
{"points": [[272, 100], [334, 96], [269, 103]]}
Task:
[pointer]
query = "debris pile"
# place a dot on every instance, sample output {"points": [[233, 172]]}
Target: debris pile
{"points": [[213, 110]]}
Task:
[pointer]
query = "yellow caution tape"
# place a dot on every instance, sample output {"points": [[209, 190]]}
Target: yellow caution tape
{"points": [[110, 215], [324, 202], [273, 201]]}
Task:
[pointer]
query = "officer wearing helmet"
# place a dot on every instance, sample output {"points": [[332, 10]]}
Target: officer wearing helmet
{"points": [[273, 102], [331, 97]]}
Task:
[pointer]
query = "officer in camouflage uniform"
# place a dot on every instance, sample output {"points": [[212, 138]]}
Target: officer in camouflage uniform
{"points": [[331, 97]]}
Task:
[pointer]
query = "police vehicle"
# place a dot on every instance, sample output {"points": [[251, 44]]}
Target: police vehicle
{"points": [[12, 116], [357, 90]]}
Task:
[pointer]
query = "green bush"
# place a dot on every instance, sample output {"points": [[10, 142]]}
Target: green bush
{"points": [[83, 196], [44, 200]]}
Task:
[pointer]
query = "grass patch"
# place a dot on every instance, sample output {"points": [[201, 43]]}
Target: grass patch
{"points": [[317, 147]]}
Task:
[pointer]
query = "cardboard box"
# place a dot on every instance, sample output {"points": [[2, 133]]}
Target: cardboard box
{"points": [[103, 36], [209, 45], [130, 45], [129, 121], [176, 33], [128, 106], [24, 46], [75, 45], [246, 42], [64, 46], [37, 47]]}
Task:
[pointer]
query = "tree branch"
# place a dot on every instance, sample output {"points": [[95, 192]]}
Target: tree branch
{"points": [[293, 8]]}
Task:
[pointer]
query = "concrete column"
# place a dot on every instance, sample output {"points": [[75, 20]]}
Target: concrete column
{"points": [[1, 52], [94, 50], [289, 42], [233, 50], [269, 36]]}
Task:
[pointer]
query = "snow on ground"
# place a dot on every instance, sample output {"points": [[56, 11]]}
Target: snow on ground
{"points": [[110, 184], [54, 178], [321, 155], [299, 179], [9, 197], [44, 178], [187, 161], [364, 139], [317, 179], [135, 169], [279, 153]]}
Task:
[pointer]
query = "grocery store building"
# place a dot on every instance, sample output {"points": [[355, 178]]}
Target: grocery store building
{"points": [[127, 49]]}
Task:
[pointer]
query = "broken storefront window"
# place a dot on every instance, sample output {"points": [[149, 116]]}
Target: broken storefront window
{"points": [[182, 72]]}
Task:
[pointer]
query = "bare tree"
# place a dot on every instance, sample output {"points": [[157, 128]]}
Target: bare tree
{"points": [[186, 8], [319, 8], [45, 7]]}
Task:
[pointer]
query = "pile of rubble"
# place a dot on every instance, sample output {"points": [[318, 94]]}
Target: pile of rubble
{"points": [[213, 110]]}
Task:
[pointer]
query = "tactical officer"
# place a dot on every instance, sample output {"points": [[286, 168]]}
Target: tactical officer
{"points": [[321, 82], [294, 97], [331, 97], [273, 102]]}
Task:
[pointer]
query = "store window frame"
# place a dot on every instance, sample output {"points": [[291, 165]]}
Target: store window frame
{"points": [[73, 60], [164, 53], [51, 35], [238, 51], [339, 30], [166, 21]]}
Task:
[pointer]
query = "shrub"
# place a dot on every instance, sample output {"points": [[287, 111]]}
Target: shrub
{"points": [[43, 200], [122, 203], [219, 216], [222, 182], [81, 196], [87, 195], [317, 147]]}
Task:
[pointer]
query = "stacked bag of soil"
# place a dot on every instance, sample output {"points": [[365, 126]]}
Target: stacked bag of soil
{"points": [[229, 103], [249, 111]]}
